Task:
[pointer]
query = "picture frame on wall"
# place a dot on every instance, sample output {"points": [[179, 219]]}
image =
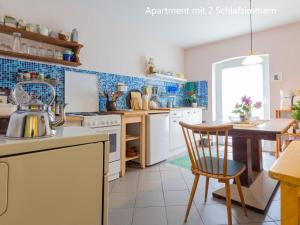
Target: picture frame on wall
{"points": [[276, 77]]}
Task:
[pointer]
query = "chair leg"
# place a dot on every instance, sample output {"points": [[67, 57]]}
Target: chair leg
{"points": [[191, 197], [206, 188], [228, 202], [278, 145], [239, 187]]}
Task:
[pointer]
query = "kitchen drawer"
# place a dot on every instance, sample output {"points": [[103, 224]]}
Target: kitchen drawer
{"points": [[176, 114]]}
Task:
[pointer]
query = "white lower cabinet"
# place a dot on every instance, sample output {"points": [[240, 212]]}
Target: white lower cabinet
{"points": [[190, 116], [54, 187]]}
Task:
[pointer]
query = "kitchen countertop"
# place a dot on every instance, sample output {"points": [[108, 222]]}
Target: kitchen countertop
{"points": [[181, 108], [287, 167], [139, 112], [74, 118], [78, 118], [65, 136]]}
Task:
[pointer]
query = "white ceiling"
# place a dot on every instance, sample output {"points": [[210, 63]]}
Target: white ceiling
{"points": [[187, 30]]}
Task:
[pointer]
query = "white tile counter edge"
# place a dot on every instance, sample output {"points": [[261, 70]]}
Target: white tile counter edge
{"points": [[65, 136]]}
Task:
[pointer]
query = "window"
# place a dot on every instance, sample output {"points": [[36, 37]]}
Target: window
{"points": [[231, 81]]}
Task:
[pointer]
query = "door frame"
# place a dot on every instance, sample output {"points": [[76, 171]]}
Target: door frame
{"points": [[217, 83]]}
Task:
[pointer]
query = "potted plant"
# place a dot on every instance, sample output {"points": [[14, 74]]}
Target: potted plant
{"points": [[244, 109], [296, 112], [194, 101]]}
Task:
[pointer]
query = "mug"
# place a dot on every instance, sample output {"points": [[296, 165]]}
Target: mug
{"points": [[44, 31]]}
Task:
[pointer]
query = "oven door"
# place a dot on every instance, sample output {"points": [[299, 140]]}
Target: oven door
{"points": [[114, 139]]}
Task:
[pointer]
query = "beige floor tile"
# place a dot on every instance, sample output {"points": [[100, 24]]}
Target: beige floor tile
{"points": [[175, 216], [168, 167], [121, 200], [149, 216], [200, 194], [172, 174], [132, 174], [214, 214], [110, 186], [150, 175], [125, 186], [174, 185], [173, 198], [120, 216], [153, 167], [148, 199], [149, 185], [274, 210]]}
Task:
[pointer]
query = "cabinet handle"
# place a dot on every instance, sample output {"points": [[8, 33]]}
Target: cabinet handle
{"points": [[4, 173]]}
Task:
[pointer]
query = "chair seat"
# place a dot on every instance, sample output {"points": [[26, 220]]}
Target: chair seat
{"points": [[233, 167]]}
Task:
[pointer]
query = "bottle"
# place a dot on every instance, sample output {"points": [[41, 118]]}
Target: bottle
{"points": [[74, 35]]}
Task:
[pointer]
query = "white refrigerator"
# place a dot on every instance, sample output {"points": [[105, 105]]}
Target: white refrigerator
{"points": [[158, 138]]}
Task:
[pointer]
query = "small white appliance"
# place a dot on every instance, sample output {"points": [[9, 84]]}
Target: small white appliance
{"points": [[158, 138], [285, 99], [103, 122]]}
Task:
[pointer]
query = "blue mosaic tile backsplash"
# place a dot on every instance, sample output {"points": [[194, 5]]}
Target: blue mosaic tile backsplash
{"points": [[108, 82]]}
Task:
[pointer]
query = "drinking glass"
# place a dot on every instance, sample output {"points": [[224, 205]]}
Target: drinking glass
{"points": [[24, 48], [16, 47], [32, 50]]}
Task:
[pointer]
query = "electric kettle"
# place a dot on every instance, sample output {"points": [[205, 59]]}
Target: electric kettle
{"points": [[34, 119]]}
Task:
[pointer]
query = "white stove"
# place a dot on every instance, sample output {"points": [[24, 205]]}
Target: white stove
{"points": [[104, 122]]}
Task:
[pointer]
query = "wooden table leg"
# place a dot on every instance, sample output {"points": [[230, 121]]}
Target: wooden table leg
{"points": [[256, 152], [289, 204], [143, 143], [123, 148], [241, 149]]}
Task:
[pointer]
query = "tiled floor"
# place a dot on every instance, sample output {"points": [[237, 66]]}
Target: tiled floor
{"points": [[158, 195]]}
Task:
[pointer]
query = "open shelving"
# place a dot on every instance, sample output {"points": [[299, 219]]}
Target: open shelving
{"points": [[75, 47], [167, 77]]}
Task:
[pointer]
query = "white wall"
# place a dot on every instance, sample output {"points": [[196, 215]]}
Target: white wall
{"points": [[109, 45], [282, 44]]}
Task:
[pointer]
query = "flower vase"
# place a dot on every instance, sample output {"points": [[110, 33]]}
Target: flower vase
{"points": [[244, 118]]}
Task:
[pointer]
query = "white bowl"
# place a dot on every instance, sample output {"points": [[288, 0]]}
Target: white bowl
{"points": [[7, 109]]}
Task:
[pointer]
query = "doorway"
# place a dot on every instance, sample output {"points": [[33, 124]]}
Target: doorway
{"points": [[232, 80]]}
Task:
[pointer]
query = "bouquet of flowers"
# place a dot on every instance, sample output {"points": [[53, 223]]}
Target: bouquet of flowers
{"points": [[244, 109]]}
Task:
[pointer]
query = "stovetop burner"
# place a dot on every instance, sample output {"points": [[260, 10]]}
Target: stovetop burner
{"points": [[89, 113]]}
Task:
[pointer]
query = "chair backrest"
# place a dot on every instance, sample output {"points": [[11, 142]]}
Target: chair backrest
{"points": [[203, 156]]}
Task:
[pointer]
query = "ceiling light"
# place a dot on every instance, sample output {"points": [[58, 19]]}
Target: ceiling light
{"points": [[252, 59]]}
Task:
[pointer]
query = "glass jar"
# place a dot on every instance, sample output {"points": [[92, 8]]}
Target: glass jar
{"points": [[16, 47]]}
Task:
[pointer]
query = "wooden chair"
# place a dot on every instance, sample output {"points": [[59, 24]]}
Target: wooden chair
{"points": [[209, 163], [283, 140]]}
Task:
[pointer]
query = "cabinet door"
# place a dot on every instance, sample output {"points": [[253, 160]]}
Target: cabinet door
{"points": [[176, 135], [187, 116], [61, 186], [3, 187], [196, 116]]}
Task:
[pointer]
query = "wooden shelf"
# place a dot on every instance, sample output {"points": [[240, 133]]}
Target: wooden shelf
{"points": [[132, 158], [39, 58], [40, 38], [166, 77], [130, 137], [75, 47]]}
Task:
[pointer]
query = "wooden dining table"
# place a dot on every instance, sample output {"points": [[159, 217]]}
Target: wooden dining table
{"points": [[258, 187]]}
